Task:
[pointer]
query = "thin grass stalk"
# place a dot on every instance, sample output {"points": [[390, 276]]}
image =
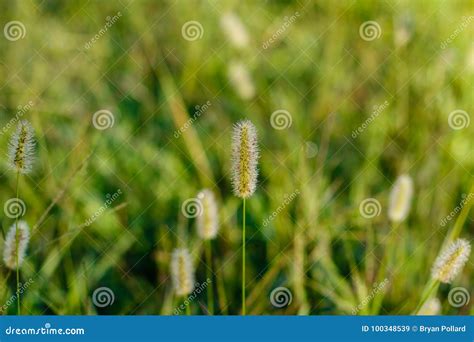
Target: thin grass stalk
{"points": [[210, 289], [17, 241], [243, 260]]}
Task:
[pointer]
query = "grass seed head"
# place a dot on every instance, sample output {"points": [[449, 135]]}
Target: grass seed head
{"points": [[182, 272], [400, 199], [451, 261], [9, 252], [21, 148], [244, 159], [207, 223]]}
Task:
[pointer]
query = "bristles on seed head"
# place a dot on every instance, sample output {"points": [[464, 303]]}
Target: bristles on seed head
{"points": [[432, 307], [244, 159], [11, 241], [182, 272], [400, 199], [21, 148], [207, 223], [451, 261]]}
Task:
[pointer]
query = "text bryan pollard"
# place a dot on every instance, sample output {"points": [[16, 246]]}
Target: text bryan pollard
{"points": [[442, 328]]}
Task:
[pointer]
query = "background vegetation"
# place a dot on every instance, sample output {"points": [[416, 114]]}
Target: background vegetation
{"points": [[319, 69]]}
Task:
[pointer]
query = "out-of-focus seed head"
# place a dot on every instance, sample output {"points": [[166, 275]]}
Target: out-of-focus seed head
{"points": [[207, 222]]}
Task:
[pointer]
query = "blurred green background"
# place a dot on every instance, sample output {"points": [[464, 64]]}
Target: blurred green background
{"points": [[141, 62]]}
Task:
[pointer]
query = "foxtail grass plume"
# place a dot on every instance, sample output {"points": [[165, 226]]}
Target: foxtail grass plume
{"points": [[21, 148], [207, 222], [451, 261], [9, 252], [244, 159], [235, 30], [182, 272], [432, 307], [400, 199], [241, 81]]}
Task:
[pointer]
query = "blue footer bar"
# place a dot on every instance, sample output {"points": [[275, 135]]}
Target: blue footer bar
{"points": [[236, 328]]}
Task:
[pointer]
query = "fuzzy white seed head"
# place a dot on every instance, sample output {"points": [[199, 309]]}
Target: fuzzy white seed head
{"points": [[244, 159], [182, 272], [235, 30], [400, 199], [21, 148], [432, 307], [12, 240], [241, 81], [451, 261], [207, 223]]}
